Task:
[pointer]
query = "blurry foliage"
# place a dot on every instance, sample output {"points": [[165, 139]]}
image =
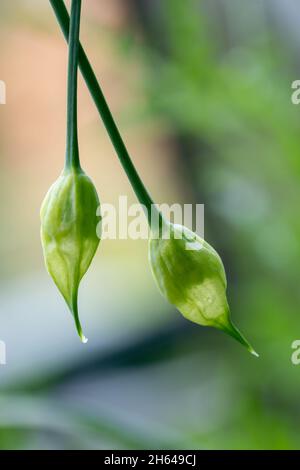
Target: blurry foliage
{"points": [[236, 100], [230, 94], [218, 76]]}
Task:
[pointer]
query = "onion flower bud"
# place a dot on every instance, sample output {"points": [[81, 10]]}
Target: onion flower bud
{"points": [[68, 232], [191, 276]]}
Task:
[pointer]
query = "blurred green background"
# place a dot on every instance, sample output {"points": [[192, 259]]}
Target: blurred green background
{"points": [[202, 94]]}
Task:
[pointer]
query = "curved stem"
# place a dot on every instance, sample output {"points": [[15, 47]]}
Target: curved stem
{"points": [[72, 152], [104, 111]]}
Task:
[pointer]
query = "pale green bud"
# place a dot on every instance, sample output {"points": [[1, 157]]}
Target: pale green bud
{"points": [[68, 233], [191, 275]]}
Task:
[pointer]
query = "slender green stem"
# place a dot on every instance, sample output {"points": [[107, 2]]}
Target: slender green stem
{"points": [[72, 151], [104, 111]]}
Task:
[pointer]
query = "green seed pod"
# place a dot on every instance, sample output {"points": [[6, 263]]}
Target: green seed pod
{"points": [[191, 275], [68, 231]]}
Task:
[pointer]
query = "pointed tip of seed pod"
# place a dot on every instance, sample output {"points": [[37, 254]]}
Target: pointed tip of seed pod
{"points": [[254, 353], [233, 331], [83, 339], [74, 310]]}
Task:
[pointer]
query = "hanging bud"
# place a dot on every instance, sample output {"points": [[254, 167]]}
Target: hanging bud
{"points": [[191, 275], [68, 231]]}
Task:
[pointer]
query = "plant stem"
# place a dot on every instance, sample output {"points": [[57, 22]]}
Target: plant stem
{"points": [[104, 111], [72, 151]]}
